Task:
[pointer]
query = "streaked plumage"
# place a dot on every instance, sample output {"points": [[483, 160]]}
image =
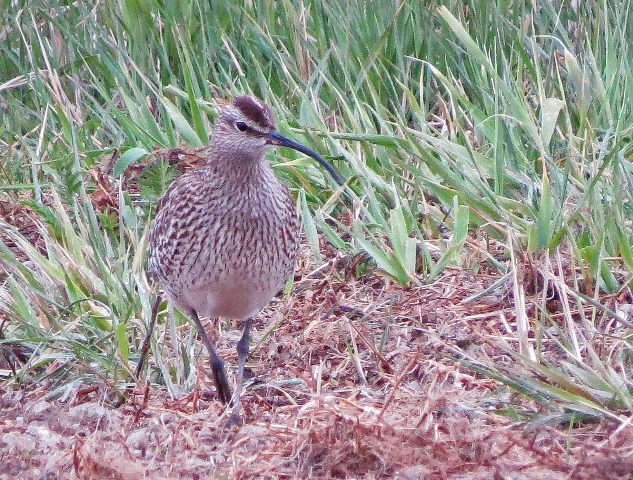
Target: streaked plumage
{"points": [[226, 234], [224, 246]]}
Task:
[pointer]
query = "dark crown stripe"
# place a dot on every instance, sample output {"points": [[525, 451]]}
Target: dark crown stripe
{"points": [[253, 111]]}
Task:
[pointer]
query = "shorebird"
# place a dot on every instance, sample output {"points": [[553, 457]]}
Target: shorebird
{"points": [[226, 234]]}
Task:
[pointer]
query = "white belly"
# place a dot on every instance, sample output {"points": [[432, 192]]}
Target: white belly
{"points": [[226, 300]]}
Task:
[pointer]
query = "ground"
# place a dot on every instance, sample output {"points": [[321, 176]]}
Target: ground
{"points": [[349, 378]]}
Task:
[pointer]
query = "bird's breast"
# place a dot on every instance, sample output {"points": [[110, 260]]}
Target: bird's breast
{"points": [[224, 245]]}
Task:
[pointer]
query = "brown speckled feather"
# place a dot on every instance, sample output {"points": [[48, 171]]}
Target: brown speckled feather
{"points": [[224, 248], [226, 234]]}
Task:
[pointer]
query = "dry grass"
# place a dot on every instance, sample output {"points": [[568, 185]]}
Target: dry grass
{"points": [[351, 378]]}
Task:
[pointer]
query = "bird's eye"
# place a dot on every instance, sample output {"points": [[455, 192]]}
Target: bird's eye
{"points": [[241, 126]]}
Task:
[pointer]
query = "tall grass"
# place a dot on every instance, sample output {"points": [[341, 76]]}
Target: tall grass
{"points": [[452, 120]]}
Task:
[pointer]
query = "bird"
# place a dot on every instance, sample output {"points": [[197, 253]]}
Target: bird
{"points": [[226, 234]]}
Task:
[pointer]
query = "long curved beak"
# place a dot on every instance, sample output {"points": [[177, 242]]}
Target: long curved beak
{"points": [[275, 138]]}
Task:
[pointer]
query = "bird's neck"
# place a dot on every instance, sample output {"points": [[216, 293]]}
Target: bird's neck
{"points": [[241, 169]]}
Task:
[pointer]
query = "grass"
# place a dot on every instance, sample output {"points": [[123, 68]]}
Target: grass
{"points": [[495, 136]]}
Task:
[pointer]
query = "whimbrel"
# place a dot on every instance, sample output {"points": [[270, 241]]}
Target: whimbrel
{"points": [[226, 234]]}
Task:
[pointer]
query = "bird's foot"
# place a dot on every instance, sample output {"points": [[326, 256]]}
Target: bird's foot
{"points": [[234, 420]]}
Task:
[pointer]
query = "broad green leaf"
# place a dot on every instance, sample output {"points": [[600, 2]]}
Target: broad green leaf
{"points": [[398, 233], [130, 156], [123, 343], [549, 116], [181, 123], [309, 227]]}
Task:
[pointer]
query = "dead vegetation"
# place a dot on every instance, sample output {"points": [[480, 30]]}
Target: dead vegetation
{"points": [[352, 379]]}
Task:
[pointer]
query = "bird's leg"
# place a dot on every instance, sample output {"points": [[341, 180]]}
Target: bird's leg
{"points": [[217, 365], [148, 335], [242, 353]]}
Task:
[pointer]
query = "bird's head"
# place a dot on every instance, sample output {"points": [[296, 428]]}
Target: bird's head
{"points": [[246, 127]]}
